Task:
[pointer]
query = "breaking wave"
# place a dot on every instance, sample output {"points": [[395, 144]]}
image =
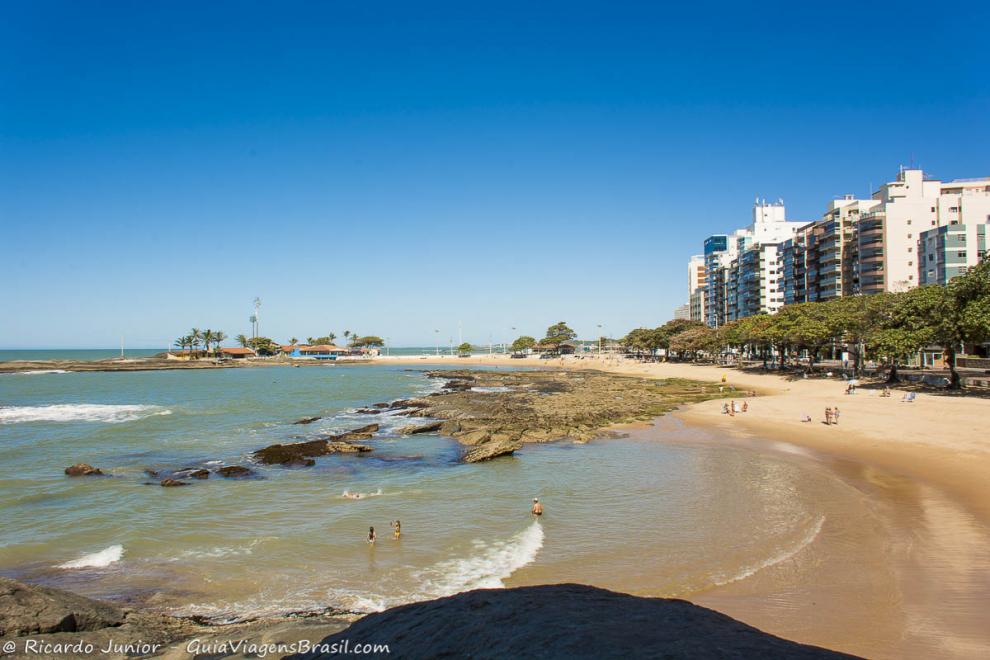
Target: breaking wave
{"points": [[79, 412], [100, 559], [485, 570], [807, 539]]}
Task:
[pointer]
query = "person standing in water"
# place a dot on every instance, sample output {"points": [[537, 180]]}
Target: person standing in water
{"points": [[371, 535], [537, 507], [397, 529]]}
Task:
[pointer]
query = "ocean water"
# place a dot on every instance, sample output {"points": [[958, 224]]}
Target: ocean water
{"points": [[109, 353], [668, 511], [289, 540]]}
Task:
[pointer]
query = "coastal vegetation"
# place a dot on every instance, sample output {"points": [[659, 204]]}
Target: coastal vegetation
{"points": [[888, 327], [558, 333], [523, 343], [464, 349], [207, 340]]}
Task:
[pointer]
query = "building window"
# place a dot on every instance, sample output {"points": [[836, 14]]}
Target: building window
{"points": [[931, 257], [961, 253]]}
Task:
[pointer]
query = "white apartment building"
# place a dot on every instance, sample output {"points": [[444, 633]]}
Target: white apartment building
{"points": [[696, 287]]}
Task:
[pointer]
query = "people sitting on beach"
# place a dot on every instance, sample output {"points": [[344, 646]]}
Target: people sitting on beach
{"points": [[806, 417], [371, 535], [396, 529], [537, 507]]}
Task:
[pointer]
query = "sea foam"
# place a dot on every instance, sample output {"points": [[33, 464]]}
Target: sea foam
{"points": [[79, 412], [41, 371], [100, 559], [493, 563], [786, 553]]}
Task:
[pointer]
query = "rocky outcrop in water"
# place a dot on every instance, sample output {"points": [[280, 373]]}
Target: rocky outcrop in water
{"points": [[562, 621], [83, 470], [416, 429], [497, 412], [172, 483], [299, 453], [492, 449], [307, 420], [235, 472]]}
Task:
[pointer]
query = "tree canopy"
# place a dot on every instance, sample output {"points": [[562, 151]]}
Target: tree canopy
{"points": [[559, 333], [523, 343]]}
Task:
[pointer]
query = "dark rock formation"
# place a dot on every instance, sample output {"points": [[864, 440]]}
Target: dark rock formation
{"points": [[307, 420], [200, 474], [28, 610], [235, 471], [297, 453], [414, 429], [82, 470], [172, 483], [490, 450], [562, 621]]}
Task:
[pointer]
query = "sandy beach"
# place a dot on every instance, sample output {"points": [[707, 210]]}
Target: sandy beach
{"points": [[905, 576]]}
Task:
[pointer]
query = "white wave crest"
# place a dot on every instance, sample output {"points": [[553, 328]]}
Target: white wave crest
{"points": [[41, 371], [360, 496], [485, 570], [79, 412], [806, 539], [100, 559]]}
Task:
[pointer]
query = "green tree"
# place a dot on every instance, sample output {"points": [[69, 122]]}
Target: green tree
{"points": [[243, 341], [464, 349], [292, 341], [523, 343], [219, 337], [370, 340], [196, 335], [811, 326], [264, 345], [559, 333]]}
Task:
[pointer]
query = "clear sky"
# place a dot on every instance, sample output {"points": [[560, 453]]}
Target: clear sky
{"points": [[395, 168]]}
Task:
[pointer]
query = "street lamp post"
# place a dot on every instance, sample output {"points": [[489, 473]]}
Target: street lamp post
{"points": [[437, 332]]}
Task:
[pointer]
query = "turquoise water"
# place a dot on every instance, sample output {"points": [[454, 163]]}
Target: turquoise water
{"points": [[108, 353], [701, 514]]}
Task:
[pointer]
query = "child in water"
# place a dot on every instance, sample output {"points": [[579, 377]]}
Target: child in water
{"points": [[397, 529], [371, 535]]}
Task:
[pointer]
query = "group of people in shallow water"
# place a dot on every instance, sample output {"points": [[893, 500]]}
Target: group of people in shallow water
{"points": [[536, 510], [396, 532]]}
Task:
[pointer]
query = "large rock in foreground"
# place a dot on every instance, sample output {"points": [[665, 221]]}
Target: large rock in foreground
{"points": [[562, 621], [29, 610]]}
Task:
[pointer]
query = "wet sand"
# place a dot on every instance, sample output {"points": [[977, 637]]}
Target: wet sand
{"points": [[906, 572]]}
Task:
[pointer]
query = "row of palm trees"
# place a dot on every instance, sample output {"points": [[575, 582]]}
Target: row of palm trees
{"points": [[207, 339]]}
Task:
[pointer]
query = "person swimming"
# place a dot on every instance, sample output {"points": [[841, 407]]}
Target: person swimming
{"points": [[537, 507], [397, 529], [371, 535]]}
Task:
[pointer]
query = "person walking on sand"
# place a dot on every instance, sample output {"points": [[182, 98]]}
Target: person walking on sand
{"points": [[828, 417], [732, 408], [835, 415], [371, 535], [537, 507]]}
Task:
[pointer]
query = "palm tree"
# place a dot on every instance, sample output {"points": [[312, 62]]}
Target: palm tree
{"points": [[243, 341], [181, 343], [218, 338], [331, 336], [195, 336], [347, 333], [207, 338], [293, 341], [310, 341]]}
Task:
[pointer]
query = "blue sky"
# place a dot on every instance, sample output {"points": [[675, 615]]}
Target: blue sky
{"points": [[392, 168]]}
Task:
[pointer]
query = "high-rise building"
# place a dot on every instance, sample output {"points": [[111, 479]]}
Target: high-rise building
{"points": [[682, 312], [742, 268], [949, 251], [696, 287], [888, 236]]}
